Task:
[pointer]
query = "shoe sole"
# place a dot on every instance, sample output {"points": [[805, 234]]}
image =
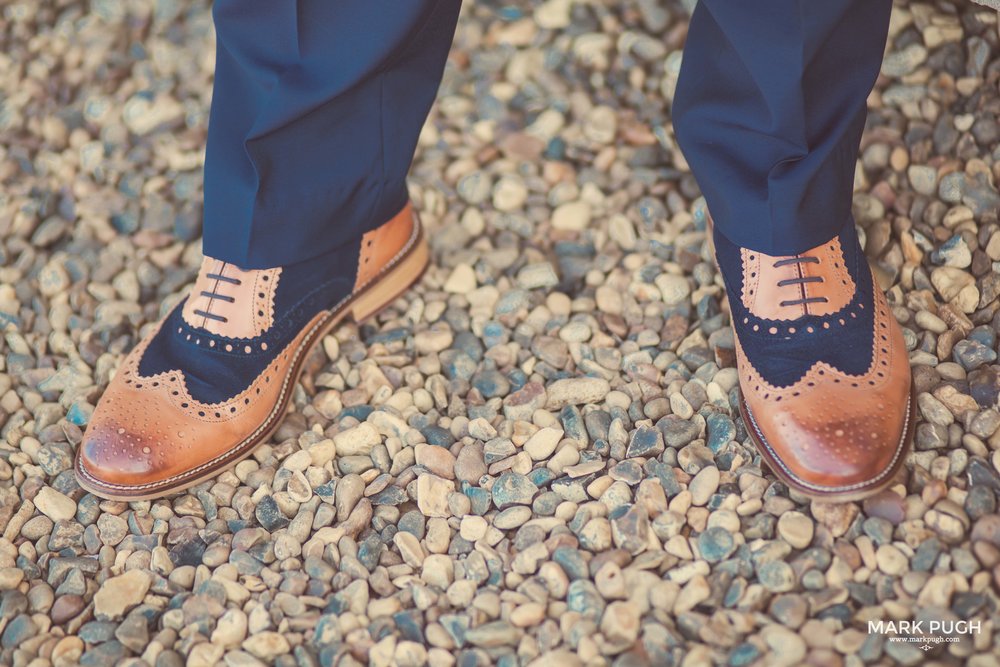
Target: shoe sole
{"points": [[849, 493], [394, 279]]}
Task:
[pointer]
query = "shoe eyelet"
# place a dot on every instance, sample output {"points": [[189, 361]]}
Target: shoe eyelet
{"points": [[201, 413]]}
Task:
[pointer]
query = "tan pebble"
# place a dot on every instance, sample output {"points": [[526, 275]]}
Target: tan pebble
{"points": [[796, 529], [527, 615], [473, 528]]}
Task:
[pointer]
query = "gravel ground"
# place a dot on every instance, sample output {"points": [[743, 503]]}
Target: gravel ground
{"points": [[534, 457]]}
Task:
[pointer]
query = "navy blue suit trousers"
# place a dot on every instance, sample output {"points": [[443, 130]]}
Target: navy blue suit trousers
{"points": [[316, 110], [318, 105], [769, 110]]}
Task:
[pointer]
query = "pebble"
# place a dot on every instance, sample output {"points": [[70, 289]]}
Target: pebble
{"points": [[716, 544], [620, 623], [469, 464], [703, 485], [786, 647], [356, 441], [432, 495], [119, 594], [673, 289], [891, 560], [55, 505], [513, 489], [266, 646], [630, 528], [231, 629], [796, 529], [542, 444], [438, 460], [776, 576], [576, 391], [572, 216], [10, 578]]}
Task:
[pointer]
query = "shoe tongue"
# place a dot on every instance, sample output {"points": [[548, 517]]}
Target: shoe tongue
{"points": [[819, 281], [232, 302]]}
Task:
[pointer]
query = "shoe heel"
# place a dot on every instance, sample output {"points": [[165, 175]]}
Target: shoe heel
{"points": [[397, 280]]}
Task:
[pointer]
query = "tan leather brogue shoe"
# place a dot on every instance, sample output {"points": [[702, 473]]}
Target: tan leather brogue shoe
{"points": [[825, 388], [213, 379]]}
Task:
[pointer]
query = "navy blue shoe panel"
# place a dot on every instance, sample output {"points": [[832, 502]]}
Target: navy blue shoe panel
{"points": [[783, 358], [216, 373]]}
